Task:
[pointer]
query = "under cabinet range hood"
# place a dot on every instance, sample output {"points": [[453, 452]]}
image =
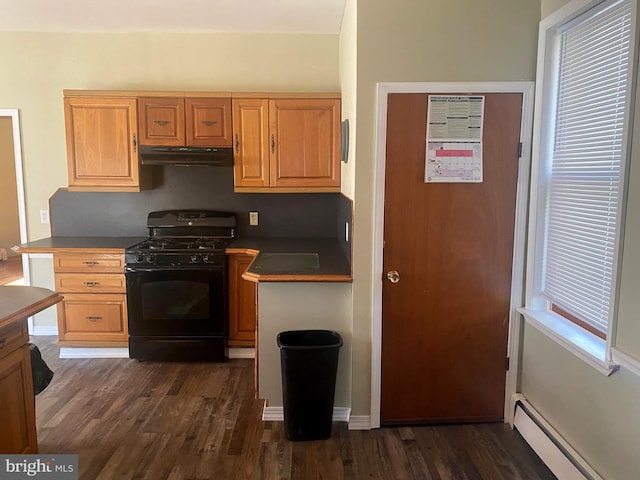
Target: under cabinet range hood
{"points": [[187, 156]]}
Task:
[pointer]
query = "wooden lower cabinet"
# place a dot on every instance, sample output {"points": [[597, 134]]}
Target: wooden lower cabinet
{"points": [[242, 303], [94, 310], [17, 402], [93, 317]]}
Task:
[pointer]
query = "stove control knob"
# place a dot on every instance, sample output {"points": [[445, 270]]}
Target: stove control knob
{"points": [[195, 258], [151, 258], [206, 258], [140, 258]]}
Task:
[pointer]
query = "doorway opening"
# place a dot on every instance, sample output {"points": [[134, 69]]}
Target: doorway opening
{"points": [[14, 269]]}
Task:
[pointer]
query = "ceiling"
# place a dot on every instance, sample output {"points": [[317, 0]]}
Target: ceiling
{"points": [[245, 16]]}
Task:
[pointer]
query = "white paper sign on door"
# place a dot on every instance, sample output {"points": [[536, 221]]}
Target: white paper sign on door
{"points": [[454, 139]]}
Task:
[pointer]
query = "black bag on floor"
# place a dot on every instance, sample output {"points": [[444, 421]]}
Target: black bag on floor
{"points": [[40, 371]]}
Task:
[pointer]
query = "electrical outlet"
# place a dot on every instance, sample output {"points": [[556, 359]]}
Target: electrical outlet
{"points": [[253, 218], [44, 216], [346, 231]]}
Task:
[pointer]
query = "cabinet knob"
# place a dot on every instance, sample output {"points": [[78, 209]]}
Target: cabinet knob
{"points": [[393, 276]]}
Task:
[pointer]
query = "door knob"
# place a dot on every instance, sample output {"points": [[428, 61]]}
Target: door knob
{"points": [[393, 276]]}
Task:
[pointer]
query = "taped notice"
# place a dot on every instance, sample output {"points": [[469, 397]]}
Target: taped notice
{"points": [[454, 139]]}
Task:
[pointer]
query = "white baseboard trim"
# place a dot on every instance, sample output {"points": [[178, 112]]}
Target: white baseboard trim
{"points": [[45, 330], [276, 414], [70, 352], [555, 451], [360, 422], [241, 353]]}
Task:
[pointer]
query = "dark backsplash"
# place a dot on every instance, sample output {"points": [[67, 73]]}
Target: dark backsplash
{"points": [[125, 214]]}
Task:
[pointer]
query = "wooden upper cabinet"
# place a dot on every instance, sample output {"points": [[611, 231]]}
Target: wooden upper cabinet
{"points": [[161, 121], [102, 150], [290, 145], [208, 122], [305, 142], [177, 121], [251, 142]]}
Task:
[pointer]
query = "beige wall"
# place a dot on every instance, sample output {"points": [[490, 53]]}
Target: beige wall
{"points": [[348, 85], [302, 306], [9, 219], [410, 41], [547, 7]]}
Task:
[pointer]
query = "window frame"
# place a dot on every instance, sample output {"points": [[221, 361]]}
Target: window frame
{"points": [[537, 311]]}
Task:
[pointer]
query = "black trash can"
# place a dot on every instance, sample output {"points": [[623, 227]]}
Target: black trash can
{"points": [[309, 363]]}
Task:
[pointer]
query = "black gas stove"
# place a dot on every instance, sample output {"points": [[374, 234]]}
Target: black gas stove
{"points": [[177, 286]]}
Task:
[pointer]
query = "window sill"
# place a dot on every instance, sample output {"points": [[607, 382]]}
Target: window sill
{"points": [[583, 344]]}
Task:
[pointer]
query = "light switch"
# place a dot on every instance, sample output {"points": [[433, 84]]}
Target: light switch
{"points": [[253, 218], [44, 216]]}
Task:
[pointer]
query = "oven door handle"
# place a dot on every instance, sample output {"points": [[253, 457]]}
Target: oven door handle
{"points": [[176, 268]]}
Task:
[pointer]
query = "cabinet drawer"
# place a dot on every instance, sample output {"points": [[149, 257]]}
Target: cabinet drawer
{"points": [[94, 283], [88, 262], [12, 337], [93, 317]]}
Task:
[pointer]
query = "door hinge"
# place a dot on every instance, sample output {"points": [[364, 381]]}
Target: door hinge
{"points": [[520, 150], [507, 363]]}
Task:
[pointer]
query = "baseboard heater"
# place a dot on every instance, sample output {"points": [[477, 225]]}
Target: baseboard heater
{"points": [[555, 452]]}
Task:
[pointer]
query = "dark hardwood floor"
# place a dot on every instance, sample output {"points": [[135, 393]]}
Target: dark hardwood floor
{"points": [[151, 420], [11, 270]]}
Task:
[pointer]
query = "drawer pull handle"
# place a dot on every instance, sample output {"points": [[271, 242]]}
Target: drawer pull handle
{"points": [[91, 284], [208, 123], [93, 319], [162, 123], [2, 343], [89, 263]]}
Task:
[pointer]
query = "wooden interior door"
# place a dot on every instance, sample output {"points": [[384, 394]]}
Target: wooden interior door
{"points": [[445, 323]]}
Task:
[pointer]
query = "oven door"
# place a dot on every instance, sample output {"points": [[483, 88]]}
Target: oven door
{"points": [[176, 301]]}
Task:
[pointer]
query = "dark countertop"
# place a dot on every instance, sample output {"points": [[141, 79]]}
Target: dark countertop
{"points": [[19, 302], [78, 244], [332, 266]]}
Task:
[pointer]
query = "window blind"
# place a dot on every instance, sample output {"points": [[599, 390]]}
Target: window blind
{"points": [[584, 187]]}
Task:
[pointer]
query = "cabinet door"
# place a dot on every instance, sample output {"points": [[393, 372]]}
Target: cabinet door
{"points": [[102, 149], [242, 303], [161, 121], [305, 142], [93, 318], [17, 404], [250, 142], [208, 122]]}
